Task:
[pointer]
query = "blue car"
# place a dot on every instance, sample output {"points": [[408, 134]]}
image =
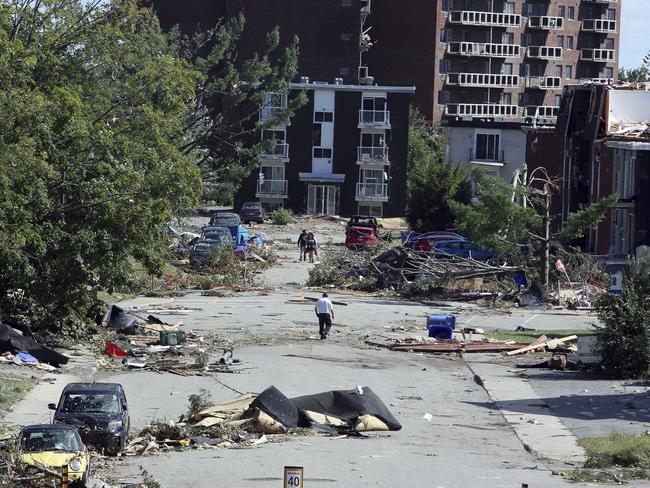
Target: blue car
{"points": [[98, 410], [233, 222], [461, 248]]}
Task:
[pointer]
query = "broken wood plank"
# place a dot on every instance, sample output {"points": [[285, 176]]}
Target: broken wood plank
{"points": [[543, 345]]}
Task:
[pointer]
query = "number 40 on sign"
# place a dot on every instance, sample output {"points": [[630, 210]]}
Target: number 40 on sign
{"points": [[293, 477]]}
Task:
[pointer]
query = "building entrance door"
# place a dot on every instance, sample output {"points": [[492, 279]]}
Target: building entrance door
{"points": [[321, 200]]}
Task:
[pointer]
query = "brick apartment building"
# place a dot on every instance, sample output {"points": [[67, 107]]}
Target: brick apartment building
{"points": [[494, 66]]}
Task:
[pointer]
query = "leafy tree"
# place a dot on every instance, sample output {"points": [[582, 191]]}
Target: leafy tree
{"points": [[640, 74], [624, 338], [108, 127], [432, 183]]}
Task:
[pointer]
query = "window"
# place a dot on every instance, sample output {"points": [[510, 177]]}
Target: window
{"points": [[466, 36], [568, 72], [572, 13], [445, 35], [588, 12], [506, 69], [487, 147], [322, 153], [468, 5], [611, 14], [569, 42], [346, 3], [505, 99], [371, 210], [526, 40], [316, 135], [447, 5], [372, 139], [558, 100], [508, 38], [508, 8], [445, 66], [323, 117], [371, 176], [346, 36], [443, 97], [608, 72], [561, 11], [529, 9], [609, 43], [279, 136], [559, 41], [558, 70]]}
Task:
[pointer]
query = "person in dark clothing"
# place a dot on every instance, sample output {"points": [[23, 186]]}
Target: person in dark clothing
{"points": [[311, 247], [302, 238]]}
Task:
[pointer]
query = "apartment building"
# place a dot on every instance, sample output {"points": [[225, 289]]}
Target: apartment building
{"points": [[497, 65], [343, 153]]}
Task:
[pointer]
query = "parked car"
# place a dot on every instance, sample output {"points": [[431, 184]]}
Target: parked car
{"points": [[427, 241], [361, 236], [55, 446], [361, 220], [216, 233], [205, 247], [252, 212], [233, 222], [463, 249], [98, 410]]}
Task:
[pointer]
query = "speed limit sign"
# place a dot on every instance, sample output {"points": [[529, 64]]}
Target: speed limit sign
{"points": [[293, 477]]}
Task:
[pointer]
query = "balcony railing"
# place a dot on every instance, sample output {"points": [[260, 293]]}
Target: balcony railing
{"points": [[545, 112], [374, 118], [599, 25], [280, 151], [545, 22], [490, 19], [544, 82], [482, 110], [598, 55], [485, 156], [372, 155], [484, 49], [372, 191], [544, 52], [272, 187], [483, 80]]}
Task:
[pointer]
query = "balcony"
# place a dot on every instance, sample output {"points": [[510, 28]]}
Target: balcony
{"points": [[483, 80], [603, 26], [542, 113], [544, 82], [372, 155], [487, 19], [598, 55], [544, 52], [484, 49], [374, 118], [545, 22], [280, 151], [272, 188], [482, 110], [375, 192]]}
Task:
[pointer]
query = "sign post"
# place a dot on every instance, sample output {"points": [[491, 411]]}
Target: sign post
{"points": [[293, 476]]}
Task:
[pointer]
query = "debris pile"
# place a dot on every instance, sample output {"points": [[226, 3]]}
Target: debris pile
{"points": [[248, 419], [22, 350]]}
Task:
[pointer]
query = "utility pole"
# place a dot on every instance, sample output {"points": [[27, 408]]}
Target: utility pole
{"points": [[547, 236]]}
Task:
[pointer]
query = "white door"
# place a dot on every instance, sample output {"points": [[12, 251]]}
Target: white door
{"points": [[321, 200]]}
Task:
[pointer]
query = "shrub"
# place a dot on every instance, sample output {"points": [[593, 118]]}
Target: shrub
{"points": [[623, 340], [282, 216]]}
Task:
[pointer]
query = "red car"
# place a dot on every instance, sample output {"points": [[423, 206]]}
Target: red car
{"points": [[361, 236]]}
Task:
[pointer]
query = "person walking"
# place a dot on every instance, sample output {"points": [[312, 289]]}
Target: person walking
{"points": [[325, 314], [302, 243], [311, 246]]}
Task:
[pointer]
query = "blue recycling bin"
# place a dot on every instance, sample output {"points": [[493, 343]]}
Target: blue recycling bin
{"points": [[440, 332], [442, 320]]}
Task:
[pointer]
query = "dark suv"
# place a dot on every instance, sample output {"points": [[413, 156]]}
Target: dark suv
{"points": [[252, 212], [98, 410]]}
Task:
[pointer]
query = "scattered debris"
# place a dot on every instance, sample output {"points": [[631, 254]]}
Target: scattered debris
{"points": [[14, 342]]}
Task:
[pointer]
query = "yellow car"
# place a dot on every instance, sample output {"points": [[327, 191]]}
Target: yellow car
{"points": [[53, 446]]}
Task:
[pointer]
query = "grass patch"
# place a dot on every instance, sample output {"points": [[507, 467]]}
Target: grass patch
{"points": [[615, 458], [528, 336], [13, 389]]}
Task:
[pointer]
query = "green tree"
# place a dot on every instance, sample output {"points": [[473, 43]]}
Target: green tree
{"points": [[640, 74], [108, 127], [432, 183]]}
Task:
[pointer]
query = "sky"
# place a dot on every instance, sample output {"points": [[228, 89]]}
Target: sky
{"points": [[635, 32]]}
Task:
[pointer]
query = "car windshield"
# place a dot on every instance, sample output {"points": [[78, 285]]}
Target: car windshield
{"points": [[50, 440], [220, 237], [225, 220], [91, 402], [251, 206]]}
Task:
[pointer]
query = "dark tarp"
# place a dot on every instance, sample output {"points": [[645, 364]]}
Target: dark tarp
{"points": [[117, 318], [347, 405], [280, 408], [11, 341]]}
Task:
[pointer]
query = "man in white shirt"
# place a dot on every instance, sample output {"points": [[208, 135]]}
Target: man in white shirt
{"points": [[325, 314]]}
